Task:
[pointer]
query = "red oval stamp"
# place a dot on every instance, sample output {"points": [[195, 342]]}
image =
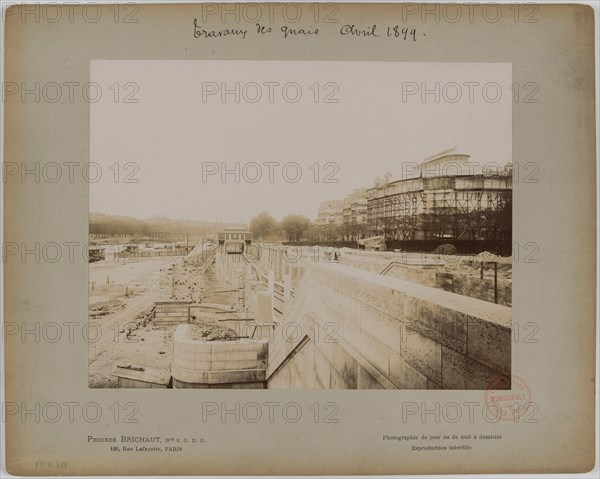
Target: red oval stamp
{"points": [[508, 404]]}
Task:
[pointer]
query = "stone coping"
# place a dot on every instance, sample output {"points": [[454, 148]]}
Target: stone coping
{"points": [[161, 302], [217, 306], [147, 375], [493, 313]]}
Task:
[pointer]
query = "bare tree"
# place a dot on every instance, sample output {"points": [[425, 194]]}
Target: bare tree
{"points": [[264, 226], [295, 227]]}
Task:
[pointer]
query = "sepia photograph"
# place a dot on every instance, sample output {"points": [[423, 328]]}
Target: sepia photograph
{"points": [[301, 225]]}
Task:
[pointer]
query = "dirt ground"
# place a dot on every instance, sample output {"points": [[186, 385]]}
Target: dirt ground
{"points": [[121, 298], [120, 293], [150, 346], [182, 282]]}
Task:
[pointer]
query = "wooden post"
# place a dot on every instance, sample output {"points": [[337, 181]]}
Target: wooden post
{"points": [[481, 271], [496, 282]]}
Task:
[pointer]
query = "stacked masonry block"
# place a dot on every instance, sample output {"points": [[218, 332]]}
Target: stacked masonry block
{"points": [[380, 332], [217, 364]]}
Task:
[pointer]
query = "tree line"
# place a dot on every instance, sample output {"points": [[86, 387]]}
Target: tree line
{"points": [[441, 222], [293, 228]]}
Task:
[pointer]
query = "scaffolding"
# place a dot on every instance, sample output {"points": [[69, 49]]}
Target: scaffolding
{"points": [[454, 207]]}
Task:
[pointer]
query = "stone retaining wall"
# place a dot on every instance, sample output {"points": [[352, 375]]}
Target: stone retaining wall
{"points": [[364, 330], [217, 364]]}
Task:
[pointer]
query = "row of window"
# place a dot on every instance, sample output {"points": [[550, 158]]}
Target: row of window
{"points": [[235, 236]]}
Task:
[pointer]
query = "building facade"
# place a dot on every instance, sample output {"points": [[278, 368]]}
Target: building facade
{"points": [[330, 213], [234, 239], [443, 202], [350, 210]]}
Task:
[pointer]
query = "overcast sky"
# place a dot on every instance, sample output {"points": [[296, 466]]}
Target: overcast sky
{"points": [[181, 126]]}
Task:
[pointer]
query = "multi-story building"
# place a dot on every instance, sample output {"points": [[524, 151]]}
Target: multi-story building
{"points": [[350, 210], [355, 207], [446, 200], [331, 213]]}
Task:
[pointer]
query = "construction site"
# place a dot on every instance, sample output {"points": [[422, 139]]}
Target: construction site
{"points": [[237, 314]]}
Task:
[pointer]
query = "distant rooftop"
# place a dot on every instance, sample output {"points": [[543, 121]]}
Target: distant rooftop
{"points": [[234, 228], [441, 154]]}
